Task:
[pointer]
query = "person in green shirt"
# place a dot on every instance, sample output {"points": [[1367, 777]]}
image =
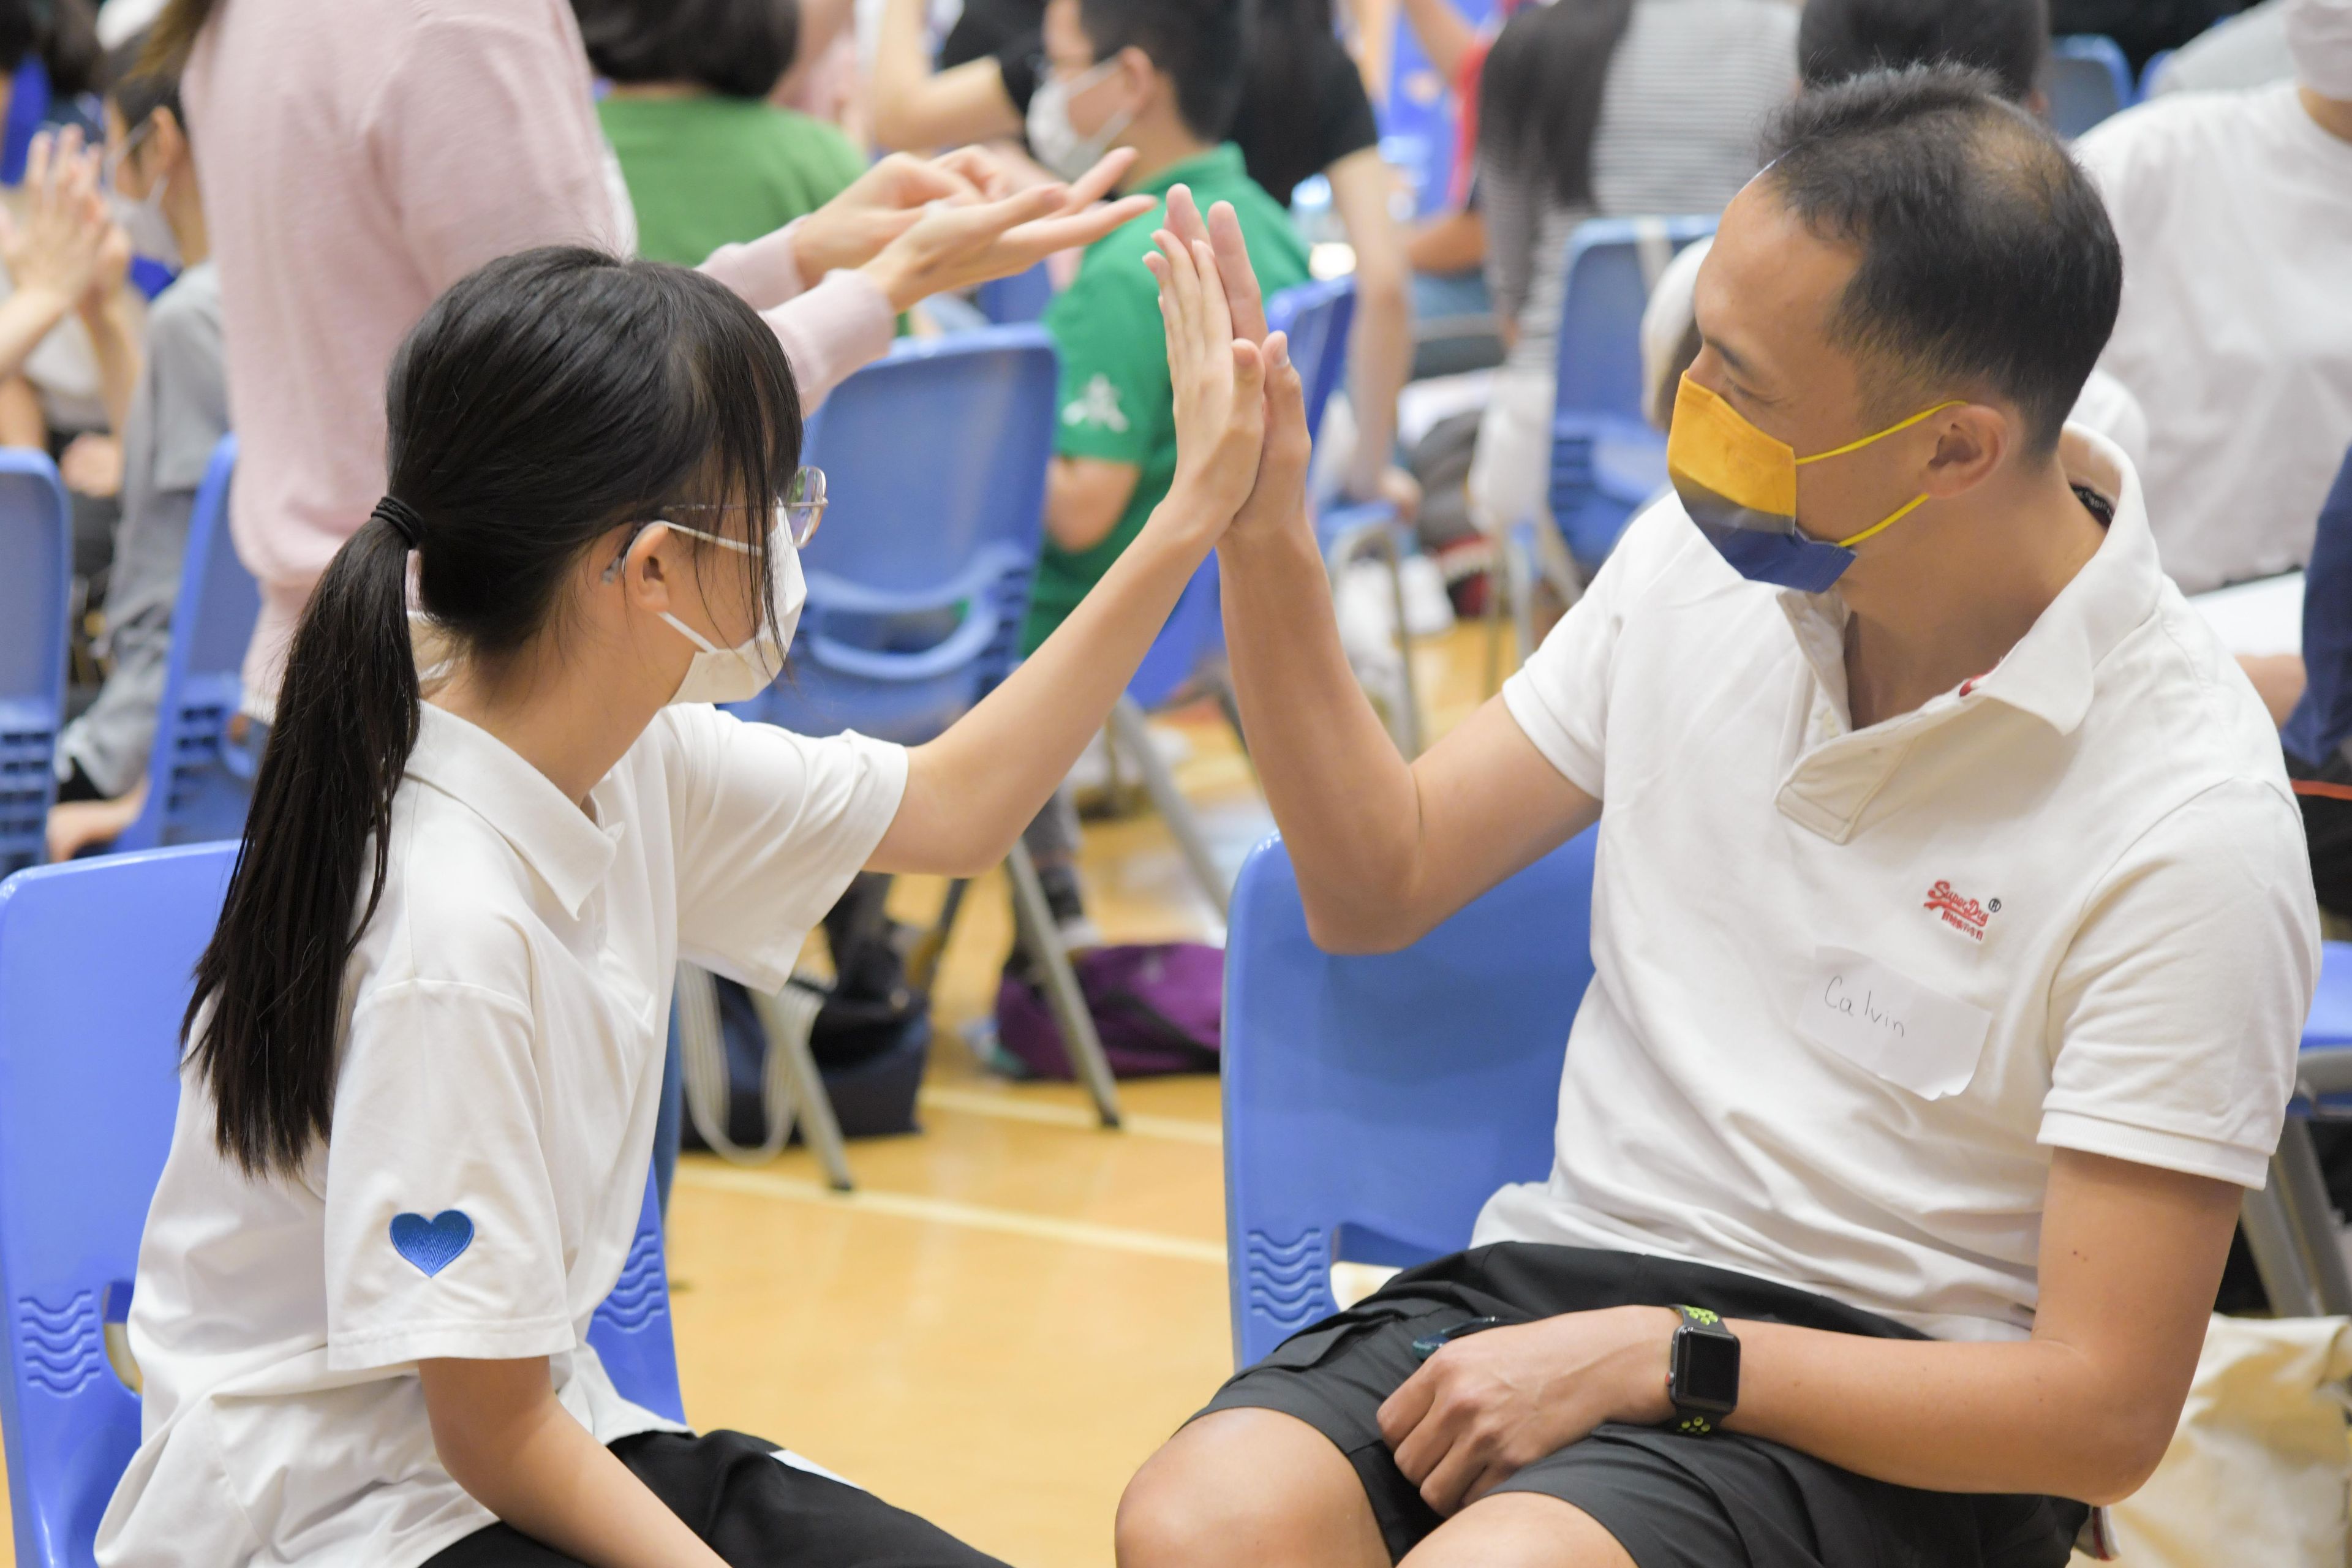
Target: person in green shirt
{"points": [[1163, 76], [708, 160]]}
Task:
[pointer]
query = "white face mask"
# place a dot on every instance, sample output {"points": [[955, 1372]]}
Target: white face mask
{"points": [[150, 231], [1054, 141], [739, 673]]}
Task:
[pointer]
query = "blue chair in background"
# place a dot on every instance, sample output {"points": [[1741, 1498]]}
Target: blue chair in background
{"points": [[1009, 301], [917, 586], [89, 1027], [35, 602], [28, 109], [2151, 73], [1372, 1104], [199, 780], [2089, 79], [1319, 318], [1607, 459]]}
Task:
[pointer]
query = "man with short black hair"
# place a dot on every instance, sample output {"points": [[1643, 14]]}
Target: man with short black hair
{"points": [[1951, 928]]}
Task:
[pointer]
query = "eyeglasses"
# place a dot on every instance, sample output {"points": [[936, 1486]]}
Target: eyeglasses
{"points": [[799, 510]]}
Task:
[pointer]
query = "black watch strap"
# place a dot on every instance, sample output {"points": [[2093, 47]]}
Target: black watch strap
{"points": [[1702, 1371]]}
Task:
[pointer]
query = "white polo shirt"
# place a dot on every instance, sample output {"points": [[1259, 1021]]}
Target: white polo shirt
{"points": [[1853, 986], [493, 1123]]}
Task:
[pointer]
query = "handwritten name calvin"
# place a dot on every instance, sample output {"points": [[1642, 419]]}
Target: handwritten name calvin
{"points": [[1837, 999]]}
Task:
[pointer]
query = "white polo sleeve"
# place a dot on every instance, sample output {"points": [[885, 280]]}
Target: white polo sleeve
{"points": [[441, 1237], [1560, 696], [771, 828], [2178, 1008]]}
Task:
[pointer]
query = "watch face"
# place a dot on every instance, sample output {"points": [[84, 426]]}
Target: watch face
{"points": [[1705, 1370]]}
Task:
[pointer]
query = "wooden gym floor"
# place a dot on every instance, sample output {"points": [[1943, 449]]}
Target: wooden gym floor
{"points": [[1014, 1307]]}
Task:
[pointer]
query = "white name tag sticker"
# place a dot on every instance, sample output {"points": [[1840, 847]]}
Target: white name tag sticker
{"points": [[1879, 1019]]}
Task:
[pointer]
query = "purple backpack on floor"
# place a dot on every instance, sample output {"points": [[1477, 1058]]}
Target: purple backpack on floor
{"points": [[1158, 1009]]}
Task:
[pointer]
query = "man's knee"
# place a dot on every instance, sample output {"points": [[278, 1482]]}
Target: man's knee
{"points": [[1246, 1486], [1520, 1530]]}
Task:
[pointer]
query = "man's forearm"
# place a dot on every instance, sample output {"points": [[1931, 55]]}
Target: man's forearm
{"points": [[2032, 1416], [1345, 799]]}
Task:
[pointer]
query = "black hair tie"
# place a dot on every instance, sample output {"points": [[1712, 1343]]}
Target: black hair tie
{"points": [[404, 519]]}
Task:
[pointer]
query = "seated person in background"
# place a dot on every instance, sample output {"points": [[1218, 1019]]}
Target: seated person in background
{"points": [[708, 160], [1301, 110], [1162, 77], [1600, 108], [1952, 931], [2248, 49], [2235, 215], [1841, 38], [177, 416]]}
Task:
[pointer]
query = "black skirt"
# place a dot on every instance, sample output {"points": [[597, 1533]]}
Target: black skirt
{"points": [[1671, 1501]]}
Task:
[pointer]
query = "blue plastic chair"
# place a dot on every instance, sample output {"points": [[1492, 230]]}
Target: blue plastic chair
{"points": [[935, 462], [199, 782], [28, 109], [1607, 460], [1372, 1104], [89, 1042], [1009, 301], [2150, 72], [2290, 1226], [2089, 79], [36, 588]]}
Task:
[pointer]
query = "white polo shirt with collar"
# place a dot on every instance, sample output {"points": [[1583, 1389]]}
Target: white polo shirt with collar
{"points": [[1852, 987], [493, 1124]]}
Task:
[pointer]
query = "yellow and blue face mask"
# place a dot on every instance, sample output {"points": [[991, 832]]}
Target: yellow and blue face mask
{"points": [[1739, 485]]}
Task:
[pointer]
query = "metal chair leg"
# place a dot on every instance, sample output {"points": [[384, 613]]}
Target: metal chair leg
{"points": [[786, 1020], [2302, 1193], [1034, 920], [2278, 1259], [1408, 726], [1128, 728]]}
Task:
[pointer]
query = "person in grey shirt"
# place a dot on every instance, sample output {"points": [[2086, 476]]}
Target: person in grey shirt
{"points": [[178, 413], [1616, 109], [2248, 49]]}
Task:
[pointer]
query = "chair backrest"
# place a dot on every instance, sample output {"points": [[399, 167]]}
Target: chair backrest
{"points": [[1612, 265], [2152, 73], [2089, 79], [1372, 1104], [35, 585], [199, 782], [2321, 720], [1318, 317], [94, 961], [1009, 301], [935, 463]]}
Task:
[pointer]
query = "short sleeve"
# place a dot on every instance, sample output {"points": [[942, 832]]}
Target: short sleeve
{"points": [[2178, 1007], [442, 1236], [771, 828], [1348, 124], [1560, 696], [1116, 400]]}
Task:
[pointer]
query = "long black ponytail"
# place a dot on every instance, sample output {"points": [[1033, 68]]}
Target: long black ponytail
{"points": [[1540, 90], [543, 401]]}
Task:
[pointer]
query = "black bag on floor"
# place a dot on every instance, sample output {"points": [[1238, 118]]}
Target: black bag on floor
{"points": [[871, 1035]]}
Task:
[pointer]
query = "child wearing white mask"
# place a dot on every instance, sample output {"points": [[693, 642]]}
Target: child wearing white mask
{"points": [[425, 1048], [177, 414]]}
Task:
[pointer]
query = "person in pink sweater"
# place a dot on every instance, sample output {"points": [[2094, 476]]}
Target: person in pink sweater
{"points": [[359, 158]]}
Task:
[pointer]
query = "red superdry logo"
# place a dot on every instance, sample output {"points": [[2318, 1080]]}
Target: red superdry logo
{"points": [[1963, 915]]}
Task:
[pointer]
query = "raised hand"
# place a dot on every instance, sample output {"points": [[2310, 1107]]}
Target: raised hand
{"points": [[955, 243], [56, 249], [1218, 379]]}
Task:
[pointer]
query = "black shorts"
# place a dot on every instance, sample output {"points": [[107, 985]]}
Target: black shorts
{"points": [[752, 1509], [1671, 1501]]}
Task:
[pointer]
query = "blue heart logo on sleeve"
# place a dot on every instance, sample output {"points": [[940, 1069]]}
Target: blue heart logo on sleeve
{"points": [[432, 1243]]}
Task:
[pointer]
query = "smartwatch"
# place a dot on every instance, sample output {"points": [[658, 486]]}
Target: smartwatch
{"points": [[1702, 1371]]}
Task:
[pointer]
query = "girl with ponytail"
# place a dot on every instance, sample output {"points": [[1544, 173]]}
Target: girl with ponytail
{"points": [[425, 1051]]}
